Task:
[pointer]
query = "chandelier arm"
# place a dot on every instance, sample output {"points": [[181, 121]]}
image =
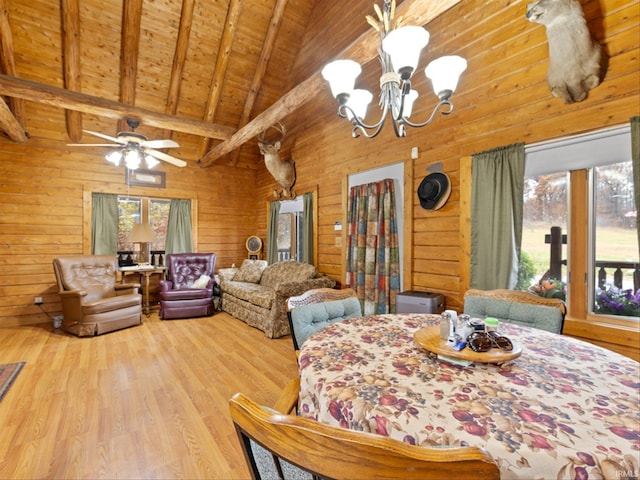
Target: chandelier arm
{"points": [[361, 127], [433, 114]]}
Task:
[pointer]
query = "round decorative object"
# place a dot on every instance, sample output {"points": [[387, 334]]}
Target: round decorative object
{"points": [[254, 245]]}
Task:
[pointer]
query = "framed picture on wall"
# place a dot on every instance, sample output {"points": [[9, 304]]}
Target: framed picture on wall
{"points": [[145, 178]]}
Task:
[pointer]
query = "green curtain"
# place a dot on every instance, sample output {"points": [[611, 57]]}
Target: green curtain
{"points": [[272, 232], [307, 228], [179, 239], [104, 224], [635, 161], [497, 188], [373, 254]]}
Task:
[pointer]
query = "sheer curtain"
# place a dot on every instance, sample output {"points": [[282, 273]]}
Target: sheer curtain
{"points": [[179, 239], [307, 228], [104, 224], [373, 265], [635, 161], [272, 232], [497, 188]]}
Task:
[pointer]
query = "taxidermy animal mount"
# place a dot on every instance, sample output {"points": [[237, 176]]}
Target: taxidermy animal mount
{"points": [[575, 60], [283, 171]]}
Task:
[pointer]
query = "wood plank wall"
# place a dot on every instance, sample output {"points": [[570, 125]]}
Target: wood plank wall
{"points": [[42, 215], [502, 98]]}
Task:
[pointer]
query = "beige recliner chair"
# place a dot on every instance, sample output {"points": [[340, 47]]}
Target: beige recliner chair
{"points": [[92, 301]]}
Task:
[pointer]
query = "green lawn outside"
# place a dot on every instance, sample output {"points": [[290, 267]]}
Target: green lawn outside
{"points": [[612, 244]]}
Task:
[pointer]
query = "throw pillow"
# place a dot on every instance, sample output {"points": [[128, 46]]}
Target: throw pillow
{"points": [[250, 271], [201, 282]]}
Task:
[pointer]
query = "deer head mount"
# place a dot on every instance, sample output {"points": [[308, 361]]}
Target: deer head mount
{"points": [[576, 62], [283, 171]]}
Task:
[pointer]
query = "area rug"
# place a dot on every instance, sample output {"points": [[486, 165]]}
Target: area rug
{"points": [[8, 374]]}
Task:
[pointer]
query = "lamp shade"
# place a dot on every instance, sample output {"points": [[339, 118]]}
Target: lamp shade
{"points": [[358, 102], [132, 158], [141, 233], [341, 75], [403, 46], [444, 73], [114, 157]]}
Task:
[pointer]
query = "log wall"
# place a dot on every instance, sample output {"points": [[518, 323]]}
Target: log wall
{"points": [[502, 98]]}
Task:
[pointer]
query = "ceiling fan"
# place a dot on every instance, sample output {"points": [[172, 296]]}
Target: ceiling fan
{"points": [[134, 148]]}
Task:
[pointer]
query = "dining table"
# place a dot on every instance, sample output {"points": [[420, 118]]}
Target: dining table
{"points": [[562, 408]]}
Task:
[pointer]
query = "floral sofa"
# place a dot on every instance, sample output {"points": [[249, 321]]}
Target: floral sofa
{"points": [[257, 293]]}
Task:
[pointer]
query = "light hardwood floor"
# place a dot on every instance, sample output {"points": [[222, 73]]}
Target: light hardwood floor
{"points": [[144, 402]]}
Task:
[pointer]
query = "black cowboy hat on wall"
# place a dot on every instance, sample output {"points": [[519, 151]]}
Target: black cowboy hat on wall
{"points": [[434, 191]]}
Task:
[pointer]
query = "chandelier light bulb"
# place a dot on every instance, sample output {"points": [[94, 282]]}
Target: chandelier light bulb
{"points": [[403, 46], [444, 73], [341, 75], [358, 102], [409, 100]]}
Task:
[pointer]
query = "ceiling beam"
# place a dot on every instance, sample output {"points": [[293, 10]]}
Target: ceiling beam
{"points": [[10, 124], [179, 59], [261, 68], [364, 48], [129, 50], [59, 97], [220, 70], [70, 12], [8, 61]]}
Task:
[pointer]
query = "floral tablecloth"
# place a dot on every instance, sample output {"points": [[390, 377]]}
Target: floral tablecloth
{"points": [[563, 409]]}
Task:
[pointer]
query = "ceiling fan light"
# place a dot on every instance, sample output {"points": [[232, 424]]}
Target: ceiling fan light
{"points": [[132, 159], [150, 161], [403, 46], [114, 157], [341, 75], [444, 73]]}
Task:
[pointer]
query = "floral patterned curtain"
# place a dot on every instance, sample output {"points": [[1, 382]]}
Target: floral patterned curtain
{"points": [[373, 265]]}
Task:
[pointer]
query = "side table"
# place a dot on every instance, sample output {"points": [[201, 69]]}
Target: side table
{"points": [[145, 272]]}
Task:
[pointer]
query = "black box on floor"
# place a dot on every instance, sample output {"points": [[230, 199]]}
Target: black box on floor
{"points": [[413, 301]]}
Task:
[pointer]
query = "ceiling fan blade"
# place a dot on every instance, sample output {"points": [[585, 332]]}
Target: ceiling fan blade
{"points": [[166, 158], [106, 137], [160, 144], [91, 145]]}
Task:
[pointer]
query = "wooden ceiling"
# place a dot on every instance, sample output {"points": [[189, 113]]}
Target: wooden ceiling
{"points": [[211, 74]]}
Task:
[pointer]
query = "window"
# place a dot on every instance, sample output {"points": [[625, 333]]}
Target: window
{"points": [[290, 242], [587, 194], [132, 210]]}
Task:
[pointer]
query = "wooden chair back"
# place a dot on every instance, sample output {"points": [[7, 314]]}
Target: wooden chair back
{"points": [[319, 295], [337, 453]]}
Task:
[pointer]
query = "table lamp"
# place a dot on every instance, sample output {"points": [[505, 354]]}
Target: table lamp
{"points": [[142, 233]]}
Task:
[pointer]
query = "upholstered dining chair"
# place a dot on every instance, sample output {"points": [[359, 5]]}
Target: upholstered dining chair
{"points": [[278, 445], [522, 308], [92, 301], [314, 309], [187, 291]]}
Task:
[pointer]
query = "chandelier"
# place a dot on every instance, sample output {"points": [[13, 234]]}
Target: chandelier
{"points": [[399, 55], [132, 154]]}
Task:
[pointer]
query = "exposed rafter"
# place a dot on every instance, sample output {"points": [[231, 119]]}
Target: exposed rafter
{"points": [[129, 49], [61, 98], [261, 68], [8, 64], [415, 12], [71, 59]]}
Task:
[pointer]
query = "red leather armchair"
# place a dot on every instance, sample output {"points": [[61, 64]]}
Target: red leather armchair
{"points": [[178, 297]]}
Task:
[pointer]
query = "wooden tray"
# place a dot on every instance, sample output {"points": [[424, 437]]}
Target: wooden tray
{"points": [[429, 338]]}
